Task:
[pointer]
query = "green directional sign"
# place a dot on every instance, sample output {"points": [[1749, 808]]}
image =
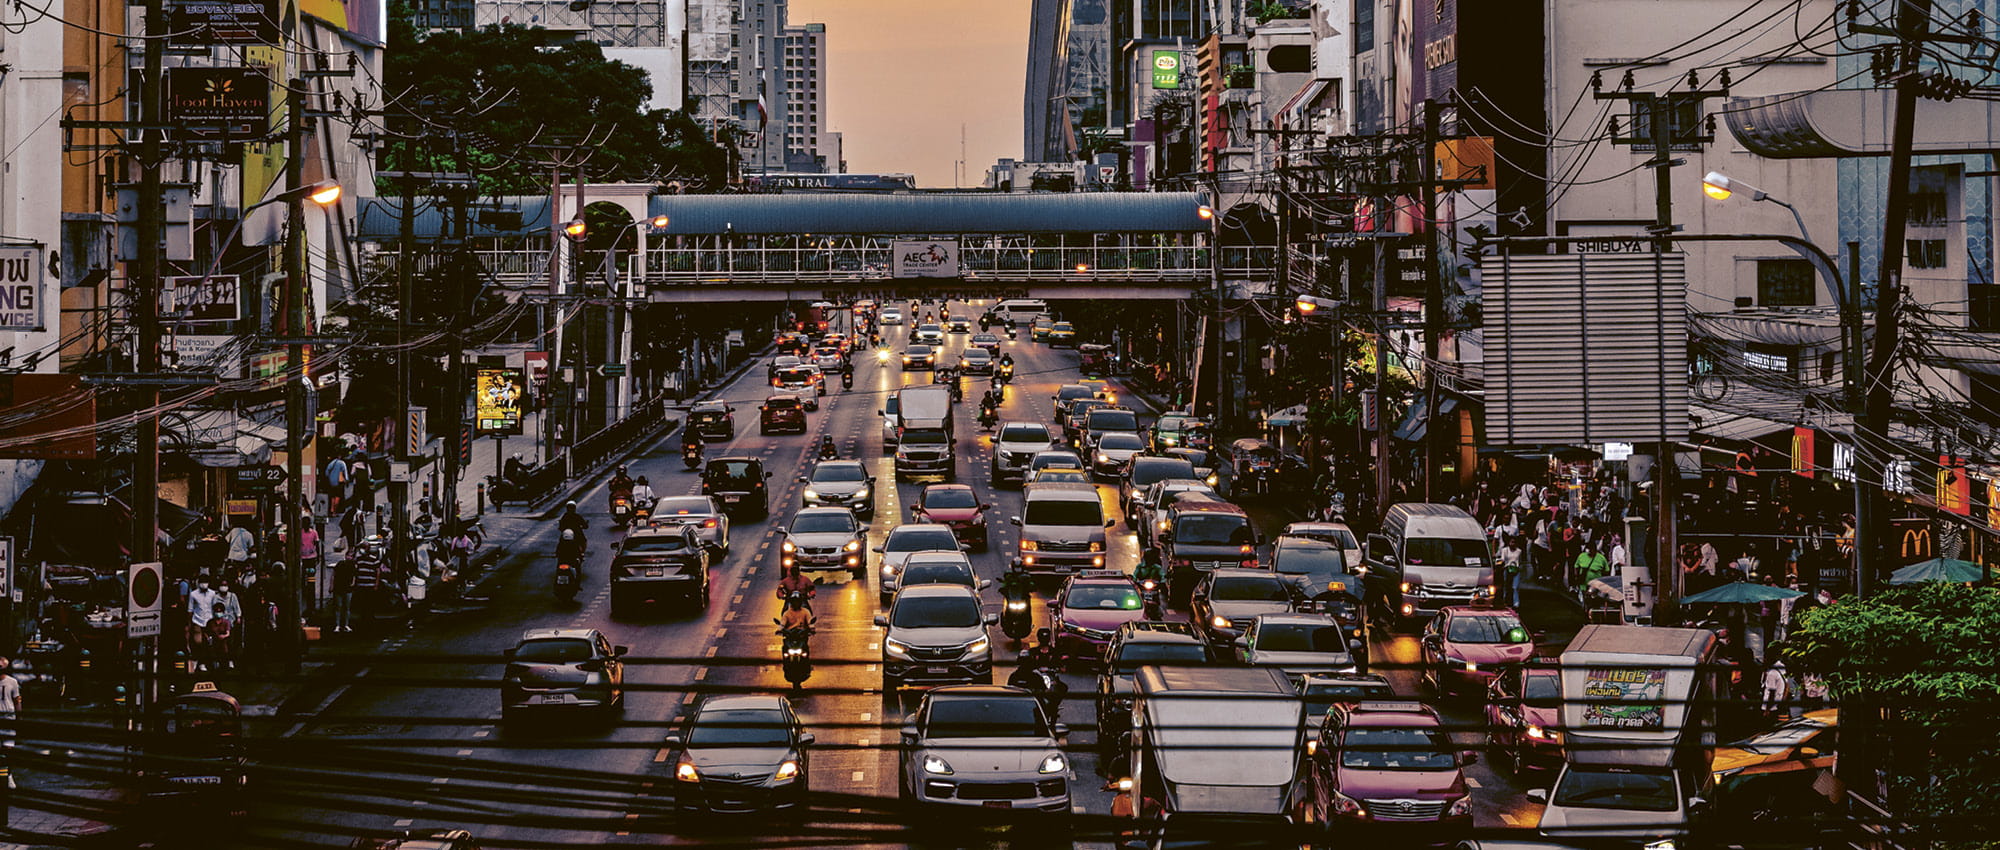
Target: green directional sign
{"points": [[1166, 69], [612, 370]]}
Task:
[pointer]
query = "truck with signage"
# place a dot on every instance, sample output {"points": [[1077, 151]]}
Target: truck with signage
{"points": [[924, 439], [1639, 706]]}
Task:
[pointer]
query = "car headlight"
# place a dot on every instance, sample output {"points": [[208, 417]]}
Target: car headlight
{"points": [[888, 570], [1103, 458], [1405, 587], [896, 648], [1343, 804], [1460, 807], [861, 493], [1163, 525], [1096, 546], [811, 494], [933, 764], [788, 547], [1219, 622], [978, 647], [1029, 546], [1055, 763], [788, 770], [1662, 844], [1540, 734], [686, 772], [1211, 479], [853, 546]]}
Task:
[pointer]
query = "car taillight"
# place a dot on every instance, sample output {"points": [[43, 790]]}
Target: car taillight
{"points": [[709, 523], [1183, 563]]}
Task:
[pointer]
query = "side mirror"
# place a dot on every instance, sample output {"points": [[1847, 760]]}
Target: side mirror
{"points": [[1014, 520], [1054, 604], [804, 480], [910, 730], [508, 654], [1357, 647], [986, 507], [767, 475], [1110, 522], [1468, 758], [1697, 803], [985, 583], [675, 740], [992, 619], [1061, 730], [877, 550], [881, 621], [619, 651], [1242, 642], [1539, 795], [881, 413], [806, 739]]}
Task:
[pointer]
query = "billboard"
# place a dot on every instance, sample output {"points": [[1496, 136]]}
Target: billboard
{"points": [[497, 394], [1166, 68], [1609, 328], [21, 278], [932, 258], [223, 21], [234, 101], [1625, 697], [201, 298]]}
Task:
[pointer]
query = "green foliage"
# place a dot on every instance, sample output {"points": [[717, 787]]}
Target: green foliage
{"points": [[502, 88], [1930, 653], [1272, 10]]}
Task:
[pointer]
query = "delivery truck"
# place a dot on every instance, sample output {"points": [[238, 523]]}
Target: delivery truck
{"points": [[1638, 718], [925, 444], [1215, 745]]}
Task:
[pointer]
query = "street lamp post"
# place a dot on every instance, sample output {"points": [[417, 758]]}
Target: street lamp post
{"points": [[623, 289]]}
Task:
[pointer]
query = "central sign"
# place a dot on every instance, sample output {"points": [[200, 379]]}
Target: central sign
{"points": [[234, 101], [199, 298], [930, 258]]}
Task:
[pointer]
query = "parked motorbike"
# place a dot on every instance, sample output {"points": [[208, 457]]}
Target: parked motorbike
{"points": [[40, 669], [566, 582], [500, 491], [796, 653], [691, 457]]}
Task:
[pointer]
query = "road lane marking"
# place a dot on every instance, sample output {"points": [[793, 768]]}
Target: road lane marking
{"points": [[720, 632], [1510, 819], [729, 615], [737, 599], [660, 756], [711, 651], [1471, 782], [867, 716], [465, 752], [866, 742], [751, 571], [700, 673], [403, 823], [481, 733], [858, 774]]}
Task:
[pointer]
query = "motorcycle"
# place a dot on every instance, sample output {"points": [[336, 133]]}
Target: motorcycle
{"points": [[988, 417], [691, 457], [500, 491], [566, 581], [1149, 593], [1043, 678], [796, 653], [642, 511], [621, 509], [1005, 375], [847, 380], [1015, 619], [828, 451]]}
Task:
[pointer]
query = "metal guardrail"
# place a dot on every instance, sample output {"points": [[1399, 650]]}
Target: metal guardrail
{"points": [[541, 482]]}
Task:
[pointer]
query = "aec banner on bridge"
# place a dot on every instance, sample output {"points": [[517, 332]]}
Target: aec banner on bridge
{"points": [[929, 258]]}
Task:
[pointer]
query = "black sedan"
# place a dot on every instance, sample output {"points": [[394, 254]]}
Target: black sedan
{"points": [[742, 753]]}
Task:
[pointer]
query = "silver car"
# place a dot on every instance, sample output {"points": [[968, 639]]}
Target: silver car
{"points": [[906, 540], [1014, 445], [825, 539], [1297, 644], [1112, 451], [941, 568], [702, 513], [980, 745], [840, 483], [936, 635]]}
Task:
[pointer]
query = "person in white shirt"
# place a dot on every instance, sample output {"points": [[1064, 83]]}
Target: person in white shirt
{"points": [[201, 607], [1620, 559], [242, 546]]}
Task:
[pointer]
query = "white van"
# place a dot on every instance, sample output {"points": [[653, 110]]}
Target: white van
{"points": [[1022, 310]]}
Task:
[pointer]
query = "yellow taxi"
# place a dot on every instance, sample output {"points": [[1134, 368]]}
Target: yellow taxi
{"points": [[1101, 387]]}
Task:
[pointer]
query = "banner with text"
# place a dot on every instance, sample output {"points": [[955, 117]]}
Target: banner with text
{"points": [[931, 258], [21, 274]]}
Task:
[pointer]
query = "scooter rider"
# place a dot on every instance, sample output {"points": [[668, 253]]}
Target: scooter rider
{"points": [[797, 615], [827, 450], [621, 485], [642, 493], [847, 378], [796, 586], [1038, 674], [573, 521], [569, 550], [1016, 584]]}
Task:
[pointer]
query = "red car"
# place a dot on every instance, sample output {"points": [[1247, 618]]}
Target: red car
{"points": [[1387, 765], [1523, 716], [1090, 608], [957, 506], [1465, 647], [781, 412]]}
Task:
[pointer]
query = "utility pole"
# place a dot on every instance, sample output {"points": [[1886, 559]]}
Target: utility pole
{"points": [[406, 259], [1433, 297], [1380, 311], [146, 311], [1661, 133], [292, 615]]}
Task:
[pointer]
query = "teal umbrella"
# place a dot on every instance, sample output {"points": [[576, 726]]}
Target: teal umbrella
{"points": [[1741, 592], [1938, 569]]}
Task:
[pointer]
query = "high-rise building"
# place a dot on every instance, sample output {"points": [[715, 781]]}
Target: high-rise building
{"points": [[807, 141]]}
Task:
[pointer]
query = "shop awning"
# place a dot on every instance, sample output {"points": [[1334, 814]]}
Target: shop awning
{"points": [[1416, 423], [1790, 328], [1290, 417]]}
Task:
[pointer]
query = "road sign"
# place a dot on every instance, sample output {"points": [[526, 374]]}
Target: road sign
{"points": [[416, 432], [256, 480], [6, 566], [145, 588], [612, 370]]}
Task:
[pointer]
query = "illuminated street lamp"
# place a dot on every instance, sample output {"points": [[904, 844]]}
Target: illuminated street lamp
{"points": [[1721, 187]]}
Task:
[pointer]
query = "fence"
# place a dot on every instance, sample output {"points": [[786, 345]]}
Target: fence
{"points": [[645, 422]]}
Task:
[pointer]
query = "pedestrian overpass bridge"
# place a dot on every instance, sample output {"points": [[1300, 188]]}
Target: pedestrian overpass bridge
{"points": [[848, 247]]}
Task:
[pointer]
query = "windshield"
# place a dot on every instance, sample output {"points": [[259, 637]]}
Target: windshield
{"points": [[794, 376], [995, 717], [1496, 628], [1121, 442], [1070, 391], [818, 523], [1301, 560], [1444, 552], [924, 437], [1319, 698], [1149, 470], [1544, 689], [554, 651], [1301, 637], [918, 351], [908, 539], [1212, 530], [1064, 460], [1781, 739], [839, 472], [976, 355], [1136, 655], [1385, 748], [685, 505], [1076, 512], [1249, 589], [1607, 789], [1113, 420], [1024, 434], [1194, 457], [949, 497], [936, 612], [786, 403], [1107, 597], [739, 729], [730, 470], [655, 545], [934, 572], [1169, 424]]}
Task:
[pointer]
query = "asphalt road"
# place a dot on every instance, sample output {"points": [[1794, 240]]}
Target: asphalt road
{"points": [[413, 739]]}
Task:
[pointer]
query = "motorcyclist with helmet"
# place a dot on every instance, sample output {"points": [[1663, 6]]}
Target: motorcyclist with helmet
{"points": [[827, 449], [795, 585], [569, 550], [621, 485], [797, 614]]}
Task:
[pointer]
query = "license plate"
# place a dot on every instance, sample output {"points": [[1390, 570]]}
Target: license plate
{"points": [[732, 498], [655, 573], [998, 804], [555, 699], [937, 671]]}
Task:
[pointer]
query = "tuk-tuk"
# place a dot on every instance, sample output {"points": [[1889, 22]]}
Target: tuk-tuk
{"points": [[195, 753], [1094, 358], [1251, 467]]}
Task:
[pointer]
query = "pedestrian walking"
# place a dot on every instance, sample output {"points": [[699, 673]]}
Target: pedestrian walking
{"points": [[338, 479], [363, 484], [221, 632], [242, 547], [1777, 689], [352, 525], [10, 709], [231, 606], [309, 558], [343, 595], [201, 608]]}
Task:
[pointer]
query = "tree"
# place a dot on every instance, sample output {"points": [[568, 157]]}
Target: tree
{"points": [[1927, 657], [504, 87]]}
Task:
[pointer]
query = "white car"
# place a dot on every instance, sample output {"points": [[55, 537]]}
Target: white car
{"points": [[1336, 533], [906, 540], [977, 745], [891, 316], [1150, 509], [709, 522]]}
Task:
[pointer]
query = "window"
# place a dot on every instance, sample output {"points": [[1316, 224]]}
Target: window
{"points": [[1289, 59], [1925, 253], [1364, 26], [1785, 283]]}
